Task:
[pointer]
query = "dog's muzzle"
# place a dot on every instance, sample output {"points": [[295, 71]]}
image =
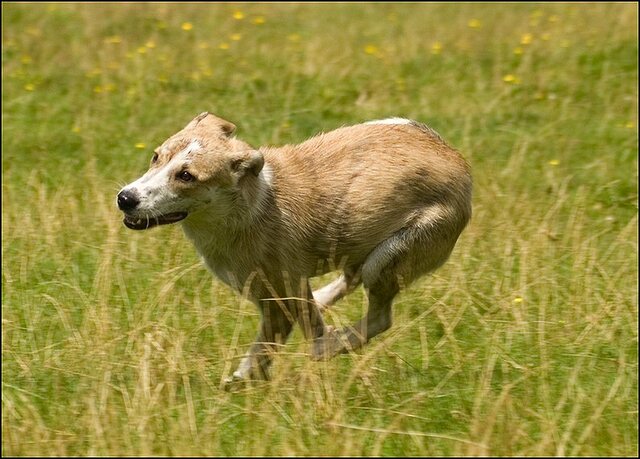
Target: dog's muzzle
{"points": [[142, 223], [128, 200]]}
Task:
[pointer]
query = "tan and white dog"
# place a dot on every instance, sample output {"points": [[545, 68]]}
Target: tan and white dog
{"points": [[383, 201]]}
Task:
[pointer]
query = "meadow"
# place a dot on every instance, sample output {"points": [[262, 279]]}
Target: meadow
{"points": [[525, 342]]}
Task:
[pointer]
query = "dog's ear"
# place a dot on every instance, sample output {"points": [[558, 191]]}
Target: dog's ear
{"points": [[247, 161], [212, 124]]}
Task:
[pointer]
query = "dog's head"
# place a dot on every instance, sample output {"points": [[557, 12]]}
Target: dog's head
{"points": [[203, 165]]}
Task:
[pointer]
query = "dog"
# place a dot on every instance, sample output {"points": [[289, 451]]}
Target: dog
{"points": [[384, 202]]}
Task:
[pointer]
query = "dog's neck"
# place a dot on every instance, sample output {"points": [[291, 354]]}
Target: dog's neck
{"points": [[214, 230], [256, 193]]}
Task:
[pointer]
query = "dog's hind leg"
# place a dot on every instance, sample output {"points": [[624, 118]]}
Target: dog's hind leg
{"points": [[377, 320], [417, 249]]}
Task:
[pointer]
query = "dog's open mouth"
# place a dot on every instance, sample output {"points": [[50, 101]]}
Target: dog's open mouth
{"points": [[142, 223]]}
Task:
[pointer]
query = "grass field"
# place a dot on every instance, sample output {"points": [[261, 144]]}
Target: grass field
{"points": [[115, 342]]}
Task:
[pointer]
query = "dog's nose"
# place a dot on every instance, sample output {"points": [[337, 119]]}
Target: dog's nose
{"points": [[127, 200]]}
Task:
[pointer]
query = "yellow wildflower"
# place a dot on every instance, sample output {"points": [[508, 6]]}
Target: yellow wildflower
{"points": [[474, 23], [187, 26], [518, 300], [223, 46], [371, 49], [236, 36], [518, 50], [258, 20], [140, 145], [436, 47], [113, 40], [150, 44], [554, 162], [510, 78], [526, 39], [238, 15], [29, 87]]}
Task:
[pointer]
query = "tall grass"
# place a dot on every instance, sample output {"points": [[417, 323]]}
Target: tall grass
{"points": [[525, 343]]}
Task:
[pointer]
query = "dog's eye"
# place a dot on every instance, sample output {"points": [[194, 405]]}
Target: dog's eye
{"points": [[185, 176], [154, 158]]}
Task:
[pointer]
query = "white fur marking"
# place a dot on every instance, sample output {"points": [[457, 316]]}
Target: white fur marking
{"points": [[266, 174], [265, 182], [390, 121], [194, 145], [153, 186], [327, 295]]}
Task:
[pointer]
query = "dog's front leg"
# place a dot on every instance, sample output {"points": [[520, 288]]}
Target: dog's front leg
{"points": [[277, 321], [308, 314]]}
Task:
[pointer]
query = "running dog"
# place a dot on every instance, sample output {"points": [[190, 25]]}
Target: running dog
{"points": [[384, 202]]}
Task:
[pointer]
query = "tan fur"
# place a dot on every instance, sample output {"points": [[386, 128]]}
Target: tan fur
{"points": [[384, 203]]}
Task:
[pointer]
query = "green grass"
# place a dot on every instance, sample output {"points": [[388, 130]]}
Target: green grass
{"points": [[525, 343]]}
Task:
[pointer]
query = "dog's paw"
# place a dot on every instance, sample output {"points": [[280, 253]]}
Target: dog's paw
{"points": [[234, 382], [242, 378], [327, 346]]}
